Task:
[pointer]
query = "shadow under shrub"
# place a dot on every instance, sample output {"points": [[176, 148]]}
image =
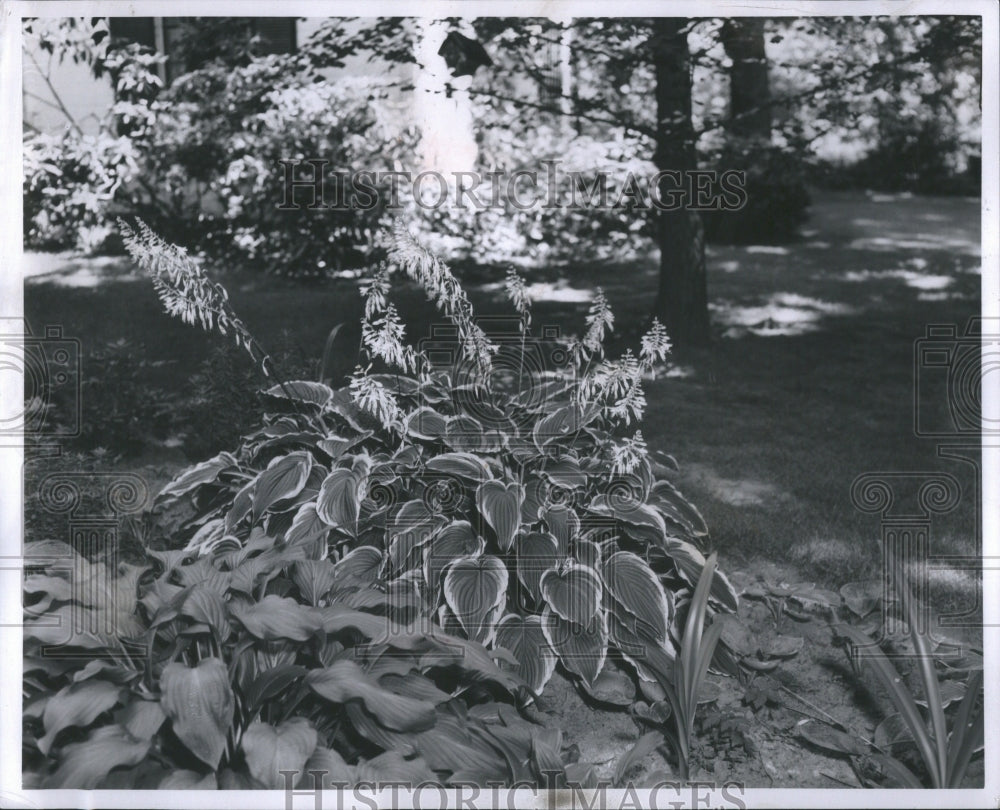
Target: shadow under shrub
{"points": [[777, 197]]}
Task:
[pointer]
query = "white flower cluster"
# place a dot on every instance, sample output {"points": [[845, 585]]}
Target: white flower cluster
{"points": [[184, 289], [626, 456]]}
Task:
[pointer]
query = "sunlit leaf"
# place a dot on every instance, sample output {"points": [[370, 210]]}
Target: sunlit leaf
{"points": [[309, 531], [284, 478], [272, 749], [581, 648], [461, 465], [78, 704], [475, 590], [85, 764], [537, 552], [573, 591], [204, 473], [345, 681], [339, 500], [632, 582], [276, 617], [199, 702], [523, 636], [305, 391], [500, 505], [455, 540]]}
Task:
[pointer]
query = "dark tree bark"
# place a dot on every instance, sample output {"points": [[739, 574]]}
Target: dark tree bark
{"points": [[749, 88], [682, 300]]}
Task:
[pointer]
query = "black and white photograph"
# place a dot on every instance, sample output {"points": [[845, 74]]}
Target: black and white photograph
{"points": [[510, 404]]}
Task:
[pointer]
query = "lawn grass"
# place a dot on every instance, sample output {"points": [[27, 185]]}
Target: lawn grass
{"points": [[808, 384]]}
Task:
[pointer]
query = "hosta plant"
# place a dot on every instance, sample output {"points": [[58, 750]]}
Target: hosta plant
{"points": [[475, 478], [417, 549], [223, 670]]}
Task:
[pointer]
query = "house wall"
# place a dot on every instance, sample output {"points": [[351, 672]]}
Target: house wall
{"points": [[446, 123]]}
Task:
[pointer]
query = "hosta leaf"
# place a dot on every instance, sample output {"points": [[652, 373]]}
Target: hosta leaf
{"points": [[78, 704], [461, 465], [339, 500], [330, 767], [675, 506], [56, 588], [581, 648], [612, 686], [367, 726], [335, 446], [242, 503], [690, 562], [564, 473], [427, 424], [475, 589], [470, 656], [632, 582], [141, 718], [455, 540], [825, 736], [564, 525], [84, 765], [562, 422], [523, 636], [277, 617], [465, 433], [500, 506], [783, 647], [653, 661], [269, 684], [412, 526], [535, 497], [313, 578], [272, 749], [537, 552], [208, 538], [390, 767], [450, 746], [628, 509], [188, 780], [307, 391], [573, 591], [862, 598], [892, 731], [414, 685], [204, 604], [284, 478], [204, 473], [345, 681], [309, 531], [362, 565], [199, 702], [588, 553]]}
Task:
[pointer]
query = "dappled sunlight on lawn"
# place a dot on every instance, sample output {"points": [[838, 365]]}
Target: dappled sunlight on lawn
{"points": [[783, 313], [918, 281], [71, 270], [735, 491], [547, 291]]}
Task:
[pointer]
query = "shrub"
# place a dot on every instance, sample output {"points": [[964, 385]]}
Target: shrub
{"points": [[777, 197], [214, 175], [591, 230]]}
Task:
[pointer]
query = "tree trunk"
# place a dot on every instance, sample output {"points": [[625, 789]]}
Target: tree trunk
{"points": [[682, 300], [749, 88]]}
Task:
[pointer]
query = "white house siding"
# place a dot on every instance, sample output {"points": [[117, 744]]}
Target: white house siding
{"points": [[445, 123]]}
